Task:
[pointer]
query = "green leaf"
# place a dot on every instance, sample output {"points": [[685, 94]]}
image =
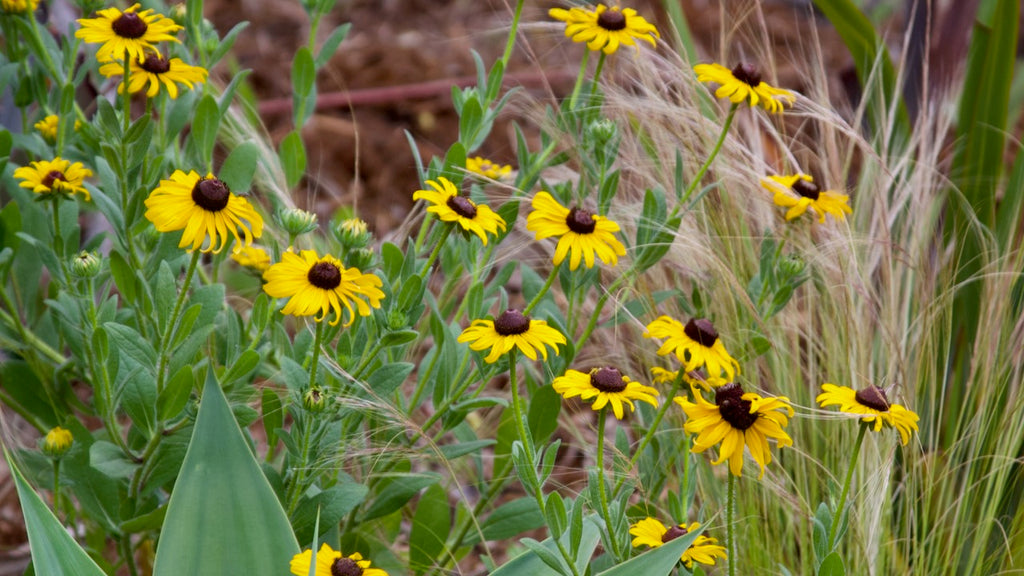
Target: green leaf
{"points": [[330, 46], [510, 519], [205, 126], [529, 564], [453, 451], [293, 158], [273, 417], [398, 337], [332, 505], [832, 566], [557, 518], [245, 364], [657, 562], [239, 167], [174, 396], [398, 493], [223, 517], [224, 46], [388, 377], [542, 418], [430, 527], [54, 551], [547, 556], [303, 83]]}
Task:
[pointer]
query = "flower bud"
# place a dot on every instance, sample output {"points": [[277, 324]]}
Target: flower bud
{"points": [[397, 320], [296, 221], [353, 234], [792, 266], [57, 442], [600, 132], [314, 400], [85, 265], [361, 258]]}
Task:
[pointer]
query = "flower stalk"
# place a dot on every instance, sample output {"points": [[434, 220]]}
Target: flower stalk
{"points": [[838, 514]]}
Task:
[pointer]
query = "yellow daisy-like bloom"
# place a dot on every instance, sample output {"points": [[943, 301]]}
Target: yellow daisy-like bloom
{"points": [[512, 329], [19, 6], [696, 344], [651, 532], [607, 386], [486, 168], [155, 71], [316, 285], [799, 192], [205, 209], [581, 233], [737, 420], [696, 379], [57, 176], [450, 207], [47, 127], [605, 28], [57, 442], [872, 406], [129, 31], [252, 257], [332, 563], [744, 83]]}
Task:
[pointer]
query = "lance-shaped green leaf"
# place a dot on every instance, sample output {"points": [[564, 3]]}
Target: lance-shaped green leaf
{"points": [[223, 516], [657, 562], [54, 551]]}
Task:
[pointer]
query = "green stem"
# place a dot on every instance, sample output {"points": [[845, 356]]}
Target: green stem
{"points": [[315, 364], [543, 289], [602, 490], [28, 339], [512, 34], [165, 339], [436, 252], [838, 514], [126, 96], [730, 517], [56, 488], [58, 238], [653, 428], [127, 554], [707, 163], [579, 80], [517, 408]]}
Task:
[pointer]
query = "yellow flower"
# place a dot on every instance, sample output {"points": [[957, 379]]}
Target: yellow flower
{"points": [[696, 379], [316, 285], [57, 442], [744, 83], [487, 169], [205, 209], [696, 344], [608, 386], [155, 70], [605, 28], [129, 31], [799, 192], [252, 257], [872, 406], [57, 176], [47, 127], [651, 532], [512, 329], [737, 420], [19, 6], [332, 563], [581, 233], [450, 207]]}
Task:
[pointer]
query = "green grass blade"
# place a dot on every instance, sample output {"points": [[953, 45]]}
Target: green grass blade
{"points": [[867, 49], [223, 516], [54, 551]]}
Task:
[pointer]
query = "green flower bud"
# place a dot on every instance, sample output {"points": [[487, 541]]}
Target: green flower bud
{"points": [[792, 266], [314, 400], [361, 258], [353, 234], [57, 442], [296, 221], [600, 132], [397, 320], [85, 265]]}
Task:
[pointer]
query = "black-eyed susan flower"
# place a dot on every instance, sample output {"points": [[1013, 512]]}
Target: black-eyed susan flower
{"points": [[581, 233], [696, 379], [512, 329], [47, 127], [606, 386], [333, 563], [205, 209], [315, 285], [154, 70], [252, 257], [605, 28], [57, 442], [451, 207], [484, 167], [737, 419], [695, 344], [651, 532], [799, 192], [129, 33], [57, 176], [19, 6], [872, 406], [744, 83]]}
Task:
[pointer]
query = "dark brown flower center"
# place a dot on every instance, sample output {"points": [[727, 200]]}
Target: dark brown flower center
{"points": [[129, 25], [462, 206], [511, 322], [345, 567], [701, 331], [806, 189], [324, 275], [612, 20], [211, 194], [733, 408], [607, 379], [581, 221], [747, 73], [673, 533], [155, 64], [873, 397], [53, 176]]}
